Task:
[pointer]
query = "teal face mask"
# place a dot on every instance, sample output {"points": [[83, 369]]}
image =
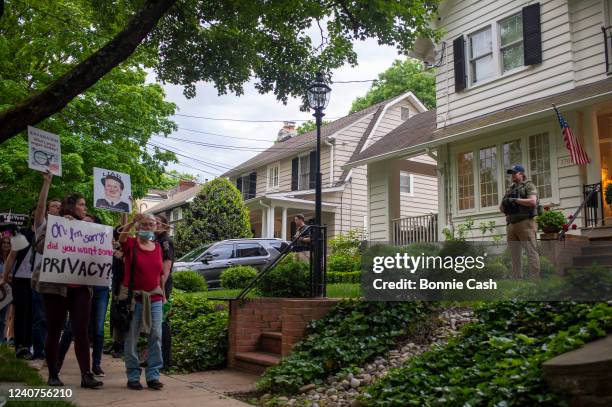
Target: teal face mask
{"points": [[146, 234]]}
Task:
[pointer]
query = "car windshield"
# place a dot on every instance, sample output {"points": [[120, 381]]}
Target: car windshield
{"points": [[194, 254]]}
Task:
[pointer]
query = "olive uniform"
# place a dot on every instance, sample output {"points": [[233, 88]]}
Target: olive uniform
{"points": [[521, 227]]}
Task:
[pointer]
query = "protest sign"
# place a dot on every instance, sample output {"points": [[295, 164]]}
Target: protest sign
{"points": [[18, 219], [112, 190], [77, 252], [45, 152]]}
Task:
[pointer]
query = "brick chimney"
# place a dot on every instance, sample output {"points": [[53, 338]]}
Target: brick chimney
{"points": [[286, 132], [184, 185]]}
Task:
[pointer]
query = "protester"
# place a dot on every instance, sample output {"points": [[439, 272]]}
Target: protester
{"points": [[5, 250], [163, 238], [520, 207], [60, 299], [143, 261]]}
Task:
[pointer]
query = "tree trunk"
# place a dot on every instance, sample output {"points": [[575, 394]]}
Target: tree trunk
{"points": [[57, 95]]}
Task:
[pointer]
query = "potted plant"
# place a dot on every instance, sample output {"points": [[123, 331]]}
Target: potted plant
{"points": [[551, 221]]}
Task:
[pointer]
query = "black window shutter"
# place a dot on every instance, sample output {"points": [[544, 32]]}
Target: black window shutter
{"points": [[459, 63], [293, 230], [252, 184], [313, 170], [239, 183], [295, 166], [532, 35]]}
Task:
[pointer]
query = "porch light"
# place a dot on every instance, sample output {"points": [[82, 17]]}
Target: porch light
{"points": [[318, 93]]}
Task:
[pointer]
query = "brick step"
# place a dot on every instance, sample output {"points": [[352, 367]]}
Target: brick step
{"points": [[587, 260], [271, 342], [599, 248], [256, 362]]}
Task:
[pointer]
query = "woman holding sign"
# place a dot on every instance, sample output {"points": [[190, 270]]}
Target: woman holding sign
{"points": [[60, 299], [142, 285]]}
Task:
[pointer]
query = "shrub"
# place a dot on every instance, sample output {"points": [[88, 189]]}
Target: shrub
{"points": [[189, 281], [350, 277], [289, 278], [352, 333], [554, 219], [348, 243], [237, 276], [199, 333], [495, 361], [343, 263]]}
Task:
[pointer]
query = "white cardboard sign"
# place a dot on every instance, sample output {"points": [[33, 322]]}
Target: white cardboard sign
{"points": [[112, 190], [77, 252], [44, 151]]}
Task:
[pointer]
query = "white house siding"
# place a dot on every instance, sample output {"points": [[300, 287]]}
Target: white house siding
{"points": [[346, 142], [588, 53], [555, 74], [353, 202], [378, 198], [424, 199]]}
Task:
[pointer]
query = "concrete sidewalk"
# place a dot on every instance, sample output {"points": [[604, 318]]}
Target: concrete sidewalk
{"points": [[204, 388]]}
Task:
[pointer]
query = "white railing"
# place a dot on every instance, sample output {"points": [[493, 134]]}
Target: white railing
{"points": [[414, 229]]}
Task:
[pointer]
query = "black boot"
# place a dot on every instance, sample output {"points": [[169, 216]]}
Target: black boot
{"points": [[88, 381], [54, 381]]}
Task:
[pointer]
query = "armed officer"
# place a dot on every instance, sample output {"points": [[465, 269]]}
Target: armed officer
{"points": [[520, 207]]}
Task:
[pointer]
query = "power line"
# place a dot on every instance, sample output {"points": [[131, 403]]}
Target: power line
{"points": [[178, 152], [228, 119], [183, 163]]}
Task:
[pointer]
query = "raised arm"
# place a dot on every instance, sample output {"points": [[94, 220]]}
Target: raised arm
{"points": [[8, 265], [41, 207], [126, 228]]}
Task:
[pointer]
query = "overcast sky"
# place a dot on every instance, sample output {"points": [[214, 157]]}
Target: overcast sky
{"points": [[372, 58]]}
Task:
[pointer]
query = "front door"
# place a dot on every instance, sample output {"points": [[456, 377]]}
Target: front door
{"points": [[605, 151]]}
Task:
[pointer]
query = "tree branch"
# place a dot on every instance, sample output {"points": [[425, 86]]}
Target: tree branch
{"points": [[350, 15], [57, 95]]}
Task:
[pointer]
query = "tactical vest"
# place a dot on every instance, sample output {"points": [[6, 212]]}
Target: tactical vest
{"points": [[520, 191]]}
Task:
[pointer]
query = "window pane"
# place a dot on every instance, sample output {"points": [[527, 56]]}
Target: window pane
{"points": [[405, 182], [246, 187], [511, 29], [480, 43], [222, 252], [304, 172], [511, 155], [488, 176], [482, 68], [465, 181], [539, 164], [250, 250], [512, 57]]}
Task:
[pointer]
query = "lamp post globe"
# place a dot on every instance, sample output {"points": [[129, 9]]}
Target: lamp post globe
{"points": [[318, 99]]}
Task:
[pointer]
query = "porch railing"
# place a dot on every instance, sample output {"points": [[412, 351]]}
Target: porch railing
{"points": [[593, 205], [607, 34], [415, 229]]}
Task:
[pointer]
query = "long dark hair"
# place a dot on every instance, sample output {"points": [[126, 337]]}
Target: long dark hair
{"points": [[165, 222], [69, 203]]}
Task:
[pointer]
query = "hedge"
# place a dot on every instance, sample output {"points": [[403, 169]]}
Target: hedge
{"points": [[237, 276], [351, 277], [189, 281]]}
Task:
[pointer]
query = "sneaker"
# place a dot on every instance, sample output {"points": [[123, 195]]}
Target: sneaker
{"points": [[155, 384], [88, 381], [134, 385], [23, 353], [97, 371], [117, 355], [54, 381]]}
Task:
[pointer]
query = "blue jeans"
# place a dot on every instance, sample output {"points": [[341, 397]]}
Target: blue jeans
{"points": [[3, 313], [39, 326], [154, 355], [99, 303]]}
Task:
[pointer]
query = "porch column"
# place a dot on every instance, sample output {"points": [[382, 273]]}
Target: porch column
{"points": [[284, 224], [264, 222], [271, 221]]}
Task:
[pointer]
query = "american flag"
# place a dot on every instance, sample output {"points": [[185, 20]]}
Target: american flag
{"points": [[577, 154]]}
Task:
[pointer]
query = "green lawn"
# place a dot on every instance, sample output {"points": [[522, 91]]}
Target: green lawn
{"points": [[333, 291], [17, 370]]}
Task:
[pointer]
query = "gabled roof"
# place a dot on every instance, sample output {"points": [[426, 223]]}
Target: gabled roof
{"points": [[419, 132], [178, 199]]}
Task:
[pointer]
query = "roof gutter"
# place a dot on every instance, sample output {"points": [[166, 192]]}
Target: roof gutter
{"points": [[423, 147]]}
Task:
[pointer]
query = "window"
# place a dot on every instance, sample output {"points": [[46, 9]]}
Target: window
{"points": [[511, 42], [404, 113], [487, 171], [539, 164], [465, 183], [273, 176], [481, 55], [512, 155], [406, 183], [304, 177], [177, 214], [222, 252], [250, 250], [247, 185]]}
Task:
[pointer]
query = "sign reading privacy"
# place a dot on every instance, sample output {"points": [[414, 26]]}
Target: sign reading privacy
{"points": [[45, 152], [77, 252]]}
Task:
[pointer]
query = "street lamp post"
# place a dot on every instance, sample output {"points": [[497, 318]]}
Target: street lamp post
{"points": [[318, 98]]}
